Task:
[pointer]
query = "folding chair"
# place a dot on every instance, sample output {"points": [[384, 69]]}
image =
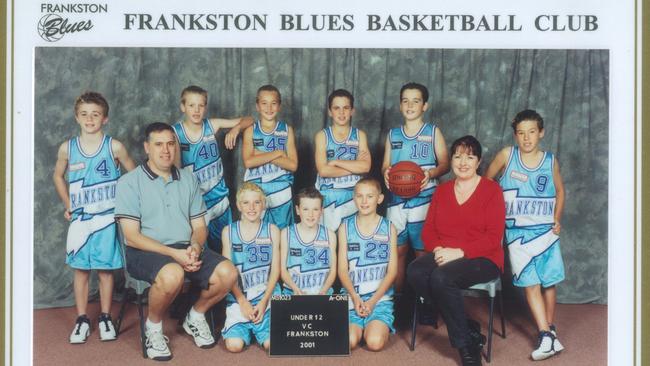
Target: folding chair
{"points": [[132, 285], [492, 288]]}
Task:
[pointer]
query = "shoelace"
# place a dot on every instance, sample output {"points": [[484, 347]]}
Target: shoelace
{"points": [[78, 329], [157, 341], [541, 336], [202, 328], [106, 325]]}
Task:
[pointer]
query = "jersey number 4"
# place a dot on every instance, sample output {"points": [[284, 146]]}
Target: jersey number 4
{"points": [[102, 169]]}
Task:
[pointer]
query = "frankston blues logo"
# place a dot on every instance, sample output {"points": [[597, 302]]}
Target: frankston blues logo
{"points": [[54, 24]]}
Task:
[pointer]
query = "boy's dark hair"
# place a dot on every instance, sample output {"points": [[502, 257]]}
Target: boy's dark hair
{"points": [[307, 192], [193, 89], [413, 85], [528, 115], [156, 127], [468, 143], [370, 181], [340, 93], [94, 98], [270, 88]]}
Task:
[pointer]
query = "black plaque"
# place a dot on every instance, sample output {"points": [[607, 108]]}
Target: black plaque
{"points": [[309, 325]]}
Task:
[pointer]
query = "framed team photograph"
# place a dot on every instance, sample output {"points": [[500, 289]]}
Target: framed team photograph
{"points": [[265, 111]]}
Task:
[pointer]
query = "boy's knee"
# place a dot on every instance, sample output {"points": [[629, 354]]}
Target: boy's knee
{"points": [[375, 342], [267, 344], [234, 345]]}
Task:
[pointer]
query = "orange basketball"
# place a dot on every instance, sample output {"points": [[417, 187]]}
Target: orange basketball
{"points": [[404, 179]]}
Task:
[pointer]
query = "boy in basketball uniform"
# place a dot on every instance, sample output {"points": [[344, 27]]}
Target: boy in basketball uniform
{"points": [[253, 245], [367, 267], [534, 197], [342, 156], [199, 149], [308, 249], [92, 161], [423, 144], [270, 157]]}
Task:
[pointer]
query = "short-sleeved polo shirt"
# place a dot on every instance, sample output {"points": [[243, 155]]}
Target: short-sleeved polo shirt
{"points": [[163, 208]]}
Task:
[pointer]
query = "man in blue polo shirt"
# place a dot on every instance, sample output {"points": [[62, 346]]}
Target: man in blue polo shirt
{"points": [[160, 210]]}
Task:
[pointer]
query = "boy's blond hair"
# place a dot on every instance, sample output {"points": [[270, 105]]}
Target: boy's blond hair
{"points": [[91, 97], [369, 181], [193, 89], [249, 186]]}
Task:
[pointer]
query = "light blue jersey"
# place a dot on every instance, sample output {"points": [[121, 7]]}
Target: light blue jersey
{"points": [[203, 157], [347, 149], [368, 258], [253, 261], [338, 191], [275, 181], [308, 263], [408, 214], [268, 142], [530, 199], [419, 149], [92, 178]]}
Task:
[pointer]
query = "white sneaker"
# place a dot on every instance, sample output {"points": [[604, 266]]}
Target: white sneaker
{"points": [[556, 343], [156, 345], [106, 328], [545, 346], [199, 329], [81, 330]]}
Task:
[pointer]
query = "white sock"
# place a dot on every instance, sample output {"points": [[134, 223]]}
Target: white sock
{"points": [[153, 326], [195, 315]]}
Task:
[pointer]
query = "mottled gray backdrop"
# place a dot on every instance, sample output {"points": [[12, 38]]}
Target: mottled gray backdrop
{"points": [[472, 92]]}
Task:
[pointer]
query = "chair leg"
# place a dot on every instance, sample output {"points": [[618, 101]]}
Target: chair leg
{"points": [[490, 330], [503, 322], [118, 322], [414, 322], [142, 330]]}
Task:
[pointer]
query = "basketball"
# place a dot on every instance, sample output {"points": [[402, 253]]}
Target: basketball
{"points": [[404, 179]]}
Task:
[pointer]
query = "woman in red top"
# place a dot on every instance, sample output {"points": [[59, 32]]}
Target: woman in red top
{"points": [[462, 233]]}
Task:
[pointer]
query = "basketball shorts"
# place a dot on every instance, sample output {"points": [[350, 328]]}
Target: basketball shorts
{"points": [[408, 217], [145, 266], [101, 250], [337, 206], [279, 206], [383, 312], [547, 269], [236, 326]]}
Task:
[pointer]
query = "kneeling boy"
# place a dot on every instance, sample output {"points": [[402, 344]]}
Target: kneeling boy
{"points": [[368, 266]]}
